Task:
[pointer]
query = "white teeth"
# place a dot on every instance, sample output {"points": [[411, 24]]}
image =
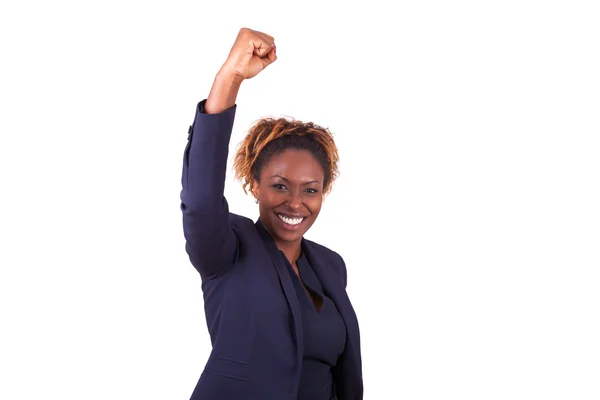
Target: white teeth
{"points": [[290, 221]]}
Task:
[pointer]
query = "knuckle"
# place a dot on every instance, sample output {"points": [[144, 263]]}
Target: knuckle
{"points": [[245, 33]]}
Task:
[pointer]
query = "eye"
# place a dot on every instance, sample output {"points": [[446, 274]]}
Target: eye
{"points": [[312, 191], [279, 186]]}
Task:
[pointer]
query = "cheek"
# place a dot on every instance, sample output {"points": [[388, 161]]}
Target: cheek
{"points": [[272, 198], [314, 205]]}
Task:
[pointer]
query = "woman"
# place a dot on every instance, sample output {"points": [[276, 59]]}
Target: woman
{"points": [[280, 321]]}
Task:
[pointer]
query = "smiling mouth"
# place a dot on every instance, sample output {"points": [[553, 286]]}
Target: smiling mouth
{"points": [[292, 221]]}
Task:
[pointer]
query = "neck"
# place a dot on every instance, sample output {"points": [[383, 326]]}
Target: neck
{"points": [[291, 250]]}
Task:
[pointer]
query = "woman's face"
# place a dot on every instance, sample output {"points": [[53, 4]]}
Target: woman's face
{"points": [[290, 194]]}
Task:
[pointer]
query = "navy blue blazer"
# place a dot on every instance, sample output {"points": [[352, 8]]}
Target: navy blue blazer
{"points": [[251, 308]]}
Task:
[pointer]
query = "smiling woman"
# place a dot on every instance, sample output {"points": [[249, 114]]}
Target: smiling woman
{"points": [[280, 320], [289, 166]]}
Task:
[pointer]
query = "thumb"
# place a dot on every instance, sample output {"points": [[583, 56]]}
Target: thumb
{"points": [[261, 49], [249, 52]]}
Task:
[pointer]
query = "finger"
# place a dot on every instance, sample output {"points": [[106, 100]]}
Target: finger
{"points": [[270, 58], [271, 40], [266, 36], [268, 40], [272, 55], [261, 48]]}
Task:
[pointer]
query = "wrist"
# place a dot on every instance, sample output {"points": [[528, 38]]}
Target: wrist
{"points": [[223, 93], [228, 78]]}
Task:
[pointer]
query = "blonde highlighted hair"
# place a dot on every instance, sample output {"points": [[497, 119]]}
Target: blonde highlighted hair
{"points": [[270, 136]]}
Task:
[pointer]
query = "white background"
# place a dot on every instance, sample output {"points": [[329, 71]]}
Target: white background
{"points": [[467, 209]]}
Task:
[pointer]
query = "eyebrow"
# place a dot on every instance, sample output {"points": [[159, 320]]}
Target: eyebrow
{"points": [[287, 180]]}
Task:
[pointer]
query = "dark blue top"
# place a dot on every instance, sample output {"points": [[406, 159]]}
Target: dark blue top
{"points": [[324, 334]]}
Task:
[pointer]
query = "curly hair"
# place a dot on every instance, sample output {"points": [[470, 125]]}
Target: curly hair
{"points": [[269, 137]]}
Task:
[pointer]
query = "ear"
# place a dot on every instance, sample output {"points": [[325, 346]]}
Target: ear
{"points": [[255, 190]]}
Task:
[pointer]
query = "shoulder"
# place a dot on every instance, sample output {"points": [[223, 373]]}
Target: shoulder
{"points": [[240, 220], [247, 234], [242, 226], [332, 257], [319, 248]]}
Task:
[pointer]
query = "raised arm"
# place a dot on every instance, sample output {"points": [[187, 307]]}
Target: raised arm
{"points": [[210, 241]]}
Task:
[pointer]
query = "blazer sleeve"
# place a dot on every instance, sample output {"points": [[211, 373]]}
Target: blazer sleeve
{"points": [[210, 241]]}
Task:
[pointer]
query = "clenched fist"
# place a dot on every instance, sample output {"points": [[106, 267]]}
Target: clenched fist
{"points": [[252, 52]]}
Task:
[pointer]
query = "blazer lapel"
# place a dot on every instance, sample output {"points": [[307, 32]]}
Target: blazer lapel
{"points": [[288, 289], [332, 284]]}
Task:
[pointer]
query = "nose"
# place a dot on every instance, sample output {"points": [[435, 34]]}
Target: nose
{"points": [[295, 200]]}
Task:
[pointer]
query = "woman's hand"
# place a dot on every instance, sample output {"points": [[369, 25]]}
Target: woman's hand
{"points": [[252, 52]]}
